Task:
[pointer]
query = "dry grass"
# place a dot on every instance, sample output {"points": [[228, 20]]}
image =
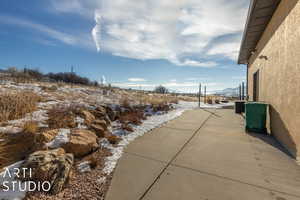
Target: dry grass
{"points": [[30, 127], [63, 116], [187, 98], [16, 105], [15, 147], [51, 88], [125, 102]]}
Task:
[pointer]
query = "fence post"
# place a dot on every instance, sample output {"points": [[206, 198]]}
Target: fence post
{"points": [[204, 94], [240, 92], [199, 94], [243, 92]]}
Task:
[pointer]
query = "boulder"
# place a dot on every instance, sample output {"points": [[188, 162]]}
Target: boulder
{"points": [[102, 123], [111, 113], [48, 136], [89, 117], [101, 109], [99, 112], [112, 139], [51, 165], [81, 143], [126, 127], [99, 130]]}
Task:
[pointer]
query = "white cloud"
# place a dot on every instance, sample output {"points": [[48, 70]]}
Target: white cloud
{"points": [[66, 38], [239, 77], [171, 30], [96, 31], [184, 32], [194, 63], [136, 79], [229, 50], [174, 30]]}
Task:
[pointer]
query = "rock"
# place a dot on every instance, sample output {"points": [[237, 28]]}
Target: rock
{"points": [[47, 136], [112, 139], [99, 130], [111, 114], [51, 165], [82, 142], [101, 109], [102, 123], [99, 112], [89, 117], [126, 127]]}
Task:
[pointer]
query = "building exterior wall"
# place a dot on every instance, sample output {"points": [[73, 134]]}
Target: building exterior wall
{"points": [[279, 74]]}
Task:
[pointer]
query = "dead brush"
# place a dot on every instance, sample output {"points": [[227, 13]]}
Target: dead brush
{"points": [[125, 102], [15, 105], [51, 88], [16, 147], [63, 116], [173, 100], [30, 127], [93, 161], [134, 117], [113, 139]]}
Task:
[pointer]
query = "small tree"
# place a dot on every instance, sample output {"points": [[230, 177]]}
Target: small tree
{"points": [[161, 89]]}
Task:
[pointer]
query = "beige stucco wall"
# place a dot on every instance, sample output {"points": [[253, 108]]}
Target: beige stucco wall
{"points": [[280, 73]]}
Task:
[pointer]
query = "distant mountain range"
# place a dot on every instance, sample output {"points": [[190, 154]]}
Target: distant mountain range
{"points": [[228, 92]]}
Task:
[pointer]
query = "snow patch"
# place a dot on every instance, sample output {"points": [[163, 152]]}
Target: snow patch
{"points": [[84, 166], [16, 193], [62, 137]]}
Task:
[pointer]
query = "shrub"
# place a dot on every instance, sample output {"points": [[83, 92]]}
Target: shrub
{"points": [[52, 88], [16, 105], [125, 102], [209, 101], [132, 117], [69, 77], [113, 139], [63, 116]]}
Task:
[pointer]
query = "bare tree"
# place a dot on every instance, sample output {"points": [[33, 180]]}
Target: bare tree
{"points": [[161, 89]]}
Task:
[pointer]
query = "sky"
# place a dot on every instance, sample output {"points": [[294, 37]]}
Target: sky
{"points": [[132, 43]]}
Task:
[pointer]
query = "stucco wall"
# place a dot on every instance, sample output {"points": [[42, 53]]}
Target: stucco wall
{"points": [[280, 73]]}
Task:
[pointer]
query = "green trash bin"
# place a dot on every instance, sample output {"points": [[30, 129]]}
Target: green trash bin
{"points": [[256, 116]]}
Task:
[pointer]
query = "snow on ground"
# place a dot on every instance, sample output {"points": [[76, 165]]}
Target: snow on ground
{"points": [[8, 179], [62, 137], [84, 166], [40, 116], [217, 106], [150, 123]]}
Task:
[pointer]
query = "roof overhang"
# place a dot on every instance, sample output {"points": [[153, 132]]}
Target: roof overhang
{"points": [[259, 16]]}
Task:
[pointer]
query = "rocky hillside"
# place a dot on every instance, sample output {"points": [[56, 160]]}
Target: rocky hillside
{"points": [[72, 136]]}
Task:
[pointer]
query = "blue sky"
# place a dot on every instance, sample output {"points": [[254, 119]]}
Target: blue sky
{"points": [[136, 44]]}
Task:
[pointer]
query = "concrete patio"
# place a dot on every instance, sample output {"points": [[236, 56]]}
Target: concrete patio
{"points": [[205, 154]]}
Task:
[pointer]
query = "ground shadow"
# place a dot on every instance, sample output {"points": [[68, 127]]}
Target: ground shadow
{"points": [[279, 137], [271, 140]]}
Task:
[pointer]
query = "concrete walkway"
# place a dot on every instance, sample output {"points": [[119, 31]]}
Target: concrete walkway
{"points": [[205, 154]]}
